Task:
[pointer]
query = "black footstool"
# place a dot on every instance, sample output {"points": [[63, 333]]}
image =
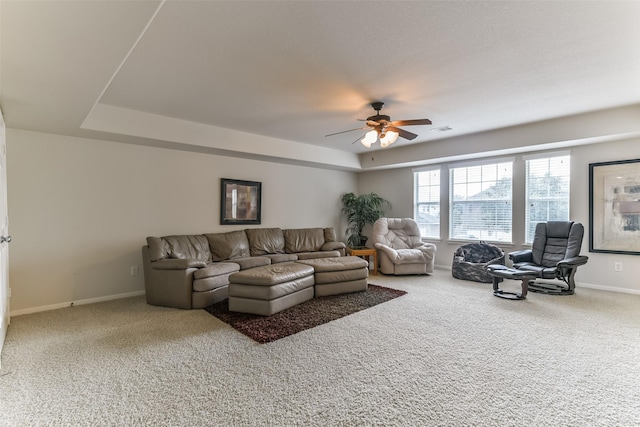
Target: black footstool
{"points": [[501, 272]]}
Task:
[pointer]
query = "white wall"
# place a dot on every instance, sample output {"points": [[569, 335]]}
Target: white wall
{"points": [[80, 209], [397, 186]]}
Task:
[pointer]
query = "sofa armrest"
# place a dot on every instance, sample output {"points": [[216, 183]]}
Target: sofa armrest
{"points": [[525, 255], [428, 249], [389, 251], [332, 246], [167, 287], [177, 264]]}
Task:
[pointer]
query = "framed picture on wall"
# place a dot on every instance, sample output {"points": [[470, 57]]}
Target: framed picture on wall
{"points": [[240, 201], [614, 207]]}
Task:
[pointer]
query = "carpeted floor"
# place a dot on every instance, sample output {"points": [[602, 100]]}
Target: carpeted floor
{"points": [[446, 354], [303, 316]]}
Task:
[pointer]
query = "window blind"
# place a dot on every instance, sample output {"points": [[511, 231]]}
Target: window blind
{"points": [[426, 202], [480, 201], [547, 191]]}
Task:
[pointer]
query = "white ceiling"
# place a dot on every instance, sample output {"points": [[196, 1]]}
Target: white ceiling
{"points": [[294, 71]]}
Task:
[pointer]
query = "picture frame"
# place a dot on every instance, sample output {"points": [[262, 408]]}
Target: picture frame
{"points": [[614, 207], [240, 201]]}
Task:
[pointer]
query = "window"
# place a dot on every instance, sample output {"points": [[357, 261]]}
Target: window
{"points": [[480, 201], [426, 202], [547, 190]]}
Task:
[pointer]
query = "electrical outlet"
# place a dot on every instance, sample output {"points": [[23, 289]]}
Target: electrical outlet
{"points": [[617, 266], [134, 270]]}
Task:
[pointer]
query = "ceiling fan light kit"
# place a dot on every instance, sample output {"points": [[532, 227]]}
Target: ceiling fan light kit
{"points": [[370, 137], [389, 138], [381, 127]]}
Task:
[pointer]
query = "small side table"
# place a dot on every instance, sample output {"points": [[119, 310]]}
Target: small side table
{"points": [[362, 252]]}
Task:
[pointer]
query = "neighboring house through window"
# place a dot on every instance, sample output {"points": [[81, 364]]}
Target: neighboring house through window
{"points": [[480, 201], [481, 194]]}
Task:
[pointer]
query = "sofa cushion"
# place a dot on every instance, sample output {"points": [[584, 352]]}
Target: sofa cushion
{"points": [[333, 246], [270, 275], [410, 256], [269, 293], [329, 234], [319, 254], [210, 283], [178, 264], [224, 246], [264, 241], [303, 240], [188, 247], [216, 269], [398, 233], [251, 262], [158, 248], [278, 258], [321, 265]]}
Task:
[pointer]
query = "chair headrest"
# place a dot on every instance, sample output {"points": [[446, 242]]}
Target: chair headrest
{"points": [[559, 228]]}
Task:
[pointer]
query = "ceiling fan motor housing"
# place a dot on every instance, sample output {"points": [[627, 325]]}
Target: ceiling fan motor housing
{"points": [[377, 105], [379, 118]]}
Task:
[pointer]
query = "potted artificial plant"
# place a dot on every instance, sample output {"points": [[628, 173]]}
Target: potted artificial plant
{"points": [[360, 211]]}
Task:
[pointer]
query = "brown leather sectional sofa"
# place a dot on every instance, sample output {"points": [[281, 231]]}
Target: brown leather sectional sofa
{"points": [[192, 271]]}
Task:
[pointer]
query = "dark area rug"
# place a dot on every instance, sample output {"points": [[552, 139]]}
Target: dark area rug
{"points": [[303, 316]]}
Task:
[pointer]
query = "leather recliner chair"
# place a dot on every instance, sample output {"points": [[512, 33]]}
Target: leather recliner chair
{"points": [[554, 254], [400, 248]]}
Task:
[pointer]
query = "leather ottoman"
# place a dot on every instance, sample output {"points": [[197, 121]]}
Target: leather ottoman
{"points": [[338, 275], [270, 289]]}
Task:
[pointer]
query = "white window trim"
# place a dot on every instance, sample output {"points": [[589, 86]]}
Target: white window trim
{"points": [[545, 155], [487, 161]]}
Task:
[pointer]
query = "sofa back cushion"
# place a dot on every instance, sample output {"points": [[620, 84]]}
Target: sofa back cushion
{"points": [[179, 247], [233, 244], [303, 240], [397, 233], [329, 234], [158, 248], [263, 241]]}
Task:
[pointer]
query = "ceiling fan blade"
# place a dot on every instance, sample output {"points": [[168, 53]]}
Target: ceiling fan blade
{"points": [[345, 131], [410, 122], [358, 140], [403, 133]]}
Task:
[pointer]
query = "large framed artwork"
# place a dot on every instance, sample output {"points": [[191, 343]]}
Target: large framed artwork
{"points": [[614, 207], [240, 201]]}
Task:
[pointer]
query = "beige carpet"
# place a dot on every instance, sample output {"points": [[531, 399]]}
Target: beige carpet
{"points": [[446, 354]]}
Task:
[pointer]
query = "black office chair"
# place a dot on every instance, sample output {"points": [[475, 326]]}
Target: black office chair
{"points": [[555, 254]]}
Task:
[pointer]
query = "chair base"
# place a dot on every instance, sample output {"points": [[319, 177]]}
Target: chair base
{"points": [[497, 292], [509, 295], [500, 272], [550, 288]]}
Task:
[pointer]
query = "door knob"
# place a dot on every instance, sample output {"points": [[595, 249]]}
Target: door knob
{"points": [[5, 239]]}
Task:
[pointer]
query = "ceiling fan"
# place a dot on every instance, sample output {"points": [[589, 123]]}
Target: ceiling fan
{"points": [[381, 126]]}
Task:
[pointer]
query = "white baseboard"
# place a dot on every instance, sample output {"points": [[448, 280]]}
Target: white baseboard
{"points": [[72, 303], [138, 293], [608, 288]]}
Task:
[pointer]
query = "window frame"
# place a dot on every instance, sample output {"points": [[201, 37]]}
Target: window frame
{"points": [[433, 188], [529, 224], [484, 165]]}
